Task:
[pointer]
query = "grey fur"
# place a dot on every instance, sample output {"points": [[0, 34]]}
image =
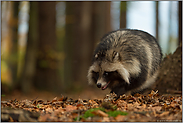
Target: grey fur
{"points": [[126, 61]]}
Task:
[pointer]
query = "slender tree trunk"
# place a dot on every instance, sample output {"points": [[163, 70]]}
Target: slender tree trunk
{"points": [[6, 43], [68, 46], [180, 21], [157, 20], [169, 27], [107, 17], [31, 50], [46, 76], [15, 42], [82, 42], [99, 20], [13, 35], [123, 7], [100, 23], [83, 20]]}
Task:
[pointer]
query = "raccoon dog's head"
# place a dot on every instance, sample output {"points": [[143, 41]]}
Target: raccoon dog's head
{"points": [[107, 70]]}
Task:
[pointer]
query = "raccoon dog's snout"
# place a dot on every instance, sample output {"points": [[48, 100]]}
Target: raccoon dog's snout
{"points": [[125, 61], [99, 85]]}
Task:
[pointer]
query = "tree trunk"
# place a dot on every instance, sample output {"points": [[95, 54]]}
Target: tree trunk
{"points": [[15, 42], [101, 25], [83, 20], [46, 76], [9, 45], [123, 7], [82, 42], [31, 50], [99, 20], [157, 21], [180, 21], [68, 46], [107, 17]]}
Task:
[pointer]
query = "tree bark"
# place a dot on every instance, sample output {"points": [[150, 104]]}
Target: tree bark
{"points": [[9, 45], [15, 42], [83, 20], [46, 76], [157, 20], [180, 21], [123, 7], [31, 50], [82, 42]]}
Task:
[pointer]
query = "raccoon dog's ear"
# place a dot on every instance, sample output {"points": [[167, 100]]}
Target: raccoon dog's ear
{"points": [[115, 56]]}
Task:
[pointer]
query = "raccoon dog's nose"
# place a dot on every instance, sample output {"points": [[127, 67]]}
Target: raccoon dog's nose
{"points": [[99, 85]]}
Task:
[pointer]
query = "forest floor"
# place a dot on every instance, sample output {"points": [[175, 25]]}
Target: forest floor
{"points": [[91, 105]]}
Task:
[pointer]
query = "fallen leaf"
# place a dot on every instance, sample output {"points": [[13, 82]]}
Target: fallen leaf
{"points": [[105, 119], [70, 108], [54, 99], [164, 113], [78, 105], [49, 109], [120, 118]]}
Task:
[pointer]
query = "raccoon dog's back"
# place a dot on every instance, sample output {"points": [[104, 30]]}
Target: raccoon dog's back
{"points": [[125, 61]]}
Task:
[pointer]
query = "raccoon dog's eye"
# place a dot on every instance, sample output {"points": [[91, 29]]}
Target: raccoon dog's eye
{"points": [[106, 73]]}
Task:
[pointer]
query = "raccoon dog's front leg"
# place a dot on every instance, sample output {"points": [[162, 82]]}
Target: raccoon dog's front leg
{"points": [[118, 91]]}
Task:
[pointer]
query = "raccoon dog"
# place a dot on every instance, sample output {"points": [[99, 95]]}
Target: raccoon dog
{"points": [[126, 61]]}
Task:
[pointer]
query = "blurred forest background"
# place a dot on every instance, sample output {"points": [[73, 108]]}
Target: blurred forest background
{"points": [[49, 45]]}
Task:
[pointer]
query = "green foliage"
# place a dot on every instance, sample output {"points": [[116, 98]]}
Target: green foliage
{"points": [[38, 106], [116, 113], [2, 95], [89, 113]]}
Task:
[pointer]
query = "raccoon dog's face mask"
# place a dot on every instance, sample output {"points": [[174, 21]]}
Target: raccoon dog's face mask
{"points": [[108, 79], [108, 72]]}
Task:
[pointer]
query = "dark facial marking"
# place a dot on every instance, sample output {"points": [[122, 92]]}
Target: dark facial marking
{"points": [[95, 76]]}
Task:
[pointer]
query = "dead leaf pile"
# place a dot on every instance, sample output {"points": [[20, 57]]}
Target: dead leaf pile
{"points": [[152, 107]]}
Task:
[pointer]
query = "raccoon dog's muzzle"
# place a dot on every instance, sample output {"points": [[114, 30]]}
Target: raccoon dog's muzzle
{"points": [[103, 86]]}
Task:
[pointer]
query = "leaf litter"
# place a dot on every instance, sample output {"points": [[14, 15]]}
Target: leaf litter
{"points": [[138, 108]]}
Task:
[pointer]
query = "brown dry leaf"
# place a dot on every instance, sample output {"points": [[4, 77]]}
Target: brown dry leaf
{"points": [[100, 113], [164, 113], [120, 118], [70, 108], [40, 101], [78, 105], [59, 110], [11, 119], [150, 107], [35, 102], [75, 115], [105, 119], [180, 107], [50, 110], [54, 99], [130, 107], [136, 104], [156, 108], [43, 118], [144, 106], [137, 95], [61, 99]]}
